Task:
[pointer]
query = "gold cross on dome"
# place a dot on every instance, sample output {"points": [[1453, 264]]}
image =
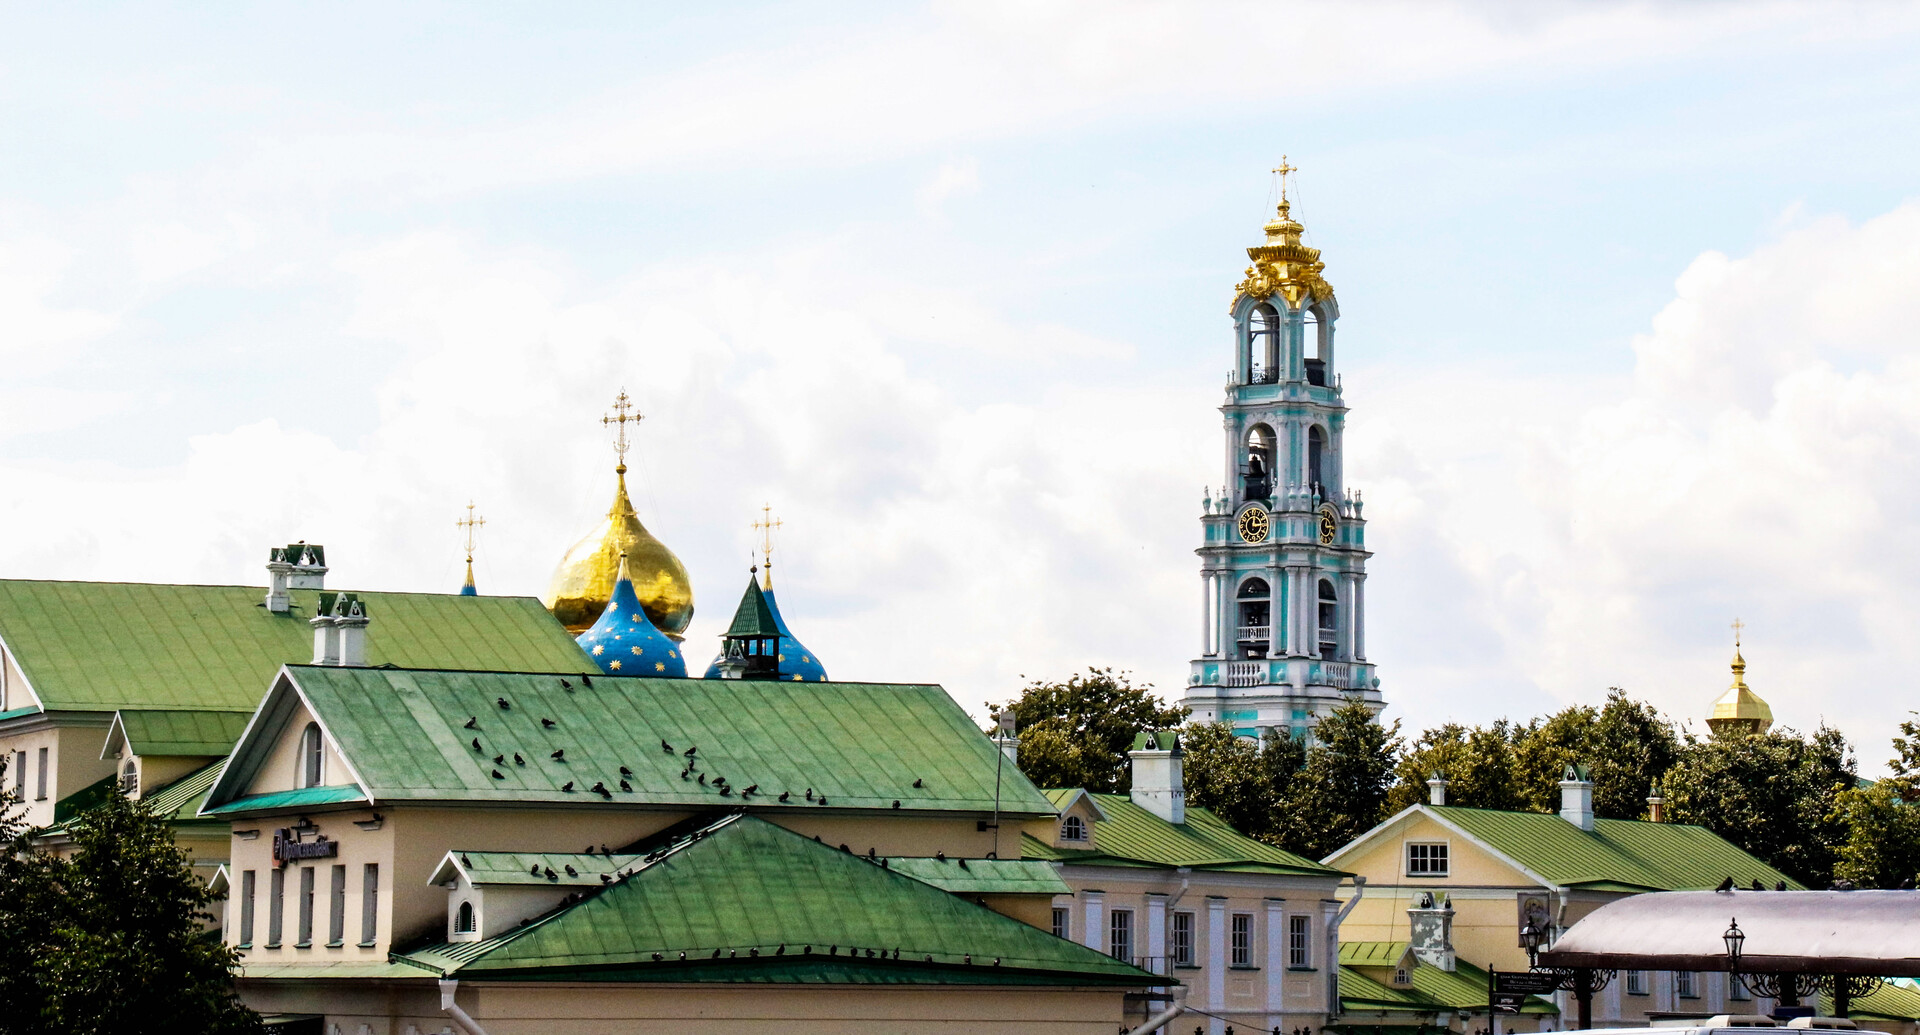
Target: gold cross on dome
{"points": [[766, 526], [471, 523], [623, 412], [1737, 626], [1282, 170]]}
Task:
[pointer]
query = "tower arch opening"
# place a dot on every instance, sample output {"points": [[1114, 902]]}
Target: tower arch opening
{"points": [[1329, 621], [1263, 345], [1256, 474], [1316, 460], [1315, 346], [1254, 630]]}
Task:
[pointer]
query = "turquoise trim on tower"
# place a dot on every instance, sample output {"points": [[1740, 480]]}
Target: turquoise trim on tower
{"points": [[625, 643]]}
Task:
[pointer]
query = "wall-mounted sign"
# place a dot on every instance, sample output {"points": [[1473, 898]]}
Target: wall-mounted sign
{"points": [[287, 847], [1535, 908]]}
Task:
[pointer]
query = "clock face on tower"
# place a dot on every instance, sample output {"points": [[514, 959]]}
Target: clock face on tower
{"points": [[1254, 524], [1329, 526]]}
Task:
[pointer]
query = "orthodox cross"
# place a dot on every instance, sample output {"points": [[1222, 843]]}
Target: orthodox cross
{"points": [[623, 412], [1282, 171], [471, 523], [1737, 626], [766, 526]]}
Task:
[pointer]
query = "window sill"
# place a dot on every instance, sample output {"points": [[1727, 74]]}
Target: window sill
{"points": [[272, 945], [1186, 966], [335, 945], [1428, 876], [1302, 970], [243, 945], [303, 945], [1243, 966], [368, 945]]}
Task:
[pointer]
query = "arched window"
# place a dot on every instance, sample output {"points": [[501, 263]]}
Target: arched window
{"points": [[130, 779], [1073, 829], [1316, 450], [310, 756], [1263, 345], [1315, 347], [1329, 621], [1254, 633], [463, 919], [1256, 479]]}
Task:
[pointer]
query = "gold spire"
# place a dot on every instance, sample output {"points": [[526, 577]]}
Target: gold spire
{"points": [[765, 526], [1739, 711], [1283, 265], [583, 583], [471, 523]]}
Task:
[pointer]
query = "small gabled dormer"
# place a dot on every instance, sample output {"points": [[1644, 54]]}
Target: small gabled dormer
{"points": [[1390, 963], [490, 893], [1074, 827]]}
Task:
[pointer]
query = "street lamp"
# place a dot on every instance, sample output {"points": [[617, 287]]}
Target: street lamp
{"points": [[1530, 938], [1734, 939]]}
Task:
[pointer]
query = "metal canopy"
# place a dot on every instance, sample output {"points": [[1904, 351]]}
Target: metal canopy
{"points": [[1804, 932]]}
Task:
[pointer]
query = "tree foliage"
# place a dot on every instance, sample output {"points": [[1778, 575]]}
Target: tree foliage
{"points": [[1077, 733], [1777, 795], [1250, 786], [1341, 791], [1478, 763], [1882, 849], [112, 938]]}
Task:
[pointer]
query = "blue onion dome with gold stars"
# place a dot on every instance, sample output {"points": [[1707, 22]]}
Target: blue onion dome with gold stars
{"points": [[795, 662], [624, 642]]}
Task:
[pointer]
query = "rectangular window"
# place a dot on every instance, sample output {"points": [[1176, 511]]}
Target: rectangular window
{"points": [[1636, 982], [1061, 925], [370, 904], [1242, 939], [1737, 990], [276, 907], [1427, 860], [337, 908], [1183, 939], [1120, 934], [306, 908], [1683, 985], [245, 933], [41, 793], [20, 773], [1299, 941]]}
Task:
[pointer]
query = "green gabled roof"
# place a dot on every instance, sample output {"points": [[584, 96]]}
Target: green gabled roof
{"points": [[1130, 835], [1891, 1001], [332, 794], [861, 745], [105, 646], [488, 868], [1464, 988], [177, 802], [749, 901], [181, 732], [753, 619], [983, 876], [1618, 854]]}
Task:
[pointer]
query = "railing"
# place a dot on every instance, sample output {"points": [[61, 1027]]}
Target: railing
{"points": [[1254, 632], [1151, 964], [1263, 377], [1336, 673], [1246, 673]]}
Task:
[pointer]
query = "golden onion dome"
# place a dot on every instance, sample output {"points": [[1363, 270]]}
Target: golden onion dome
{"points": [[583, 583], [1739, 710]]}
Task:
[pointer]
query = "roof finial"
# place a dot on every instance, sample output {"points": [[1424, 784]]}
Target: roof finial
{"points": [[472, 523], [623, 412], [1282, 171], [765, 526], [1739, 663]]}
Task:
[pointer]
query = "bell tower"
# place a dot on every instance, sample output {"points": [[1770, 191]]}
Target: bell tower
{"points": [[1283, 560]]}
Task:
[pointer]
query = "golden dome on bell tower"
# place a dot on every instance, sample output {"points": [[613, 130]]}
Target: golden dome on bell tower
{"points": [[1739, 711], [583, 583]]}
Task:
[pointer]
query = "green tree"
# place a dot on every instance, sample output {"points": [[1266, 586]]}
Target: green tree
{"points": [[1478, 763], [1341, 790], [1882, 821], [1077, 733], [1625, 744], [116, 934], [1777, 795], [1247, 785]]}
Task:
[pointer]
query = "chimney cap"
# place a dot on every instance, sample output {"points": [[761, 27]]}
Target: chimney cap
{"points": [[1576, 773], [1157, 740]]}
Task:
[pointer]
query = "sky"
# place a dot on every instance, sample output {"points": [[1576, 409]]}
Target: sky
{"points": [[1630, 301]]}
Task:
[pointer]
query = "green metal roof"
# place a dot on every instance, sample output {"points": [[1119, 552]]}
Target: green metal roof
{"points": [[329, 795], [182, 732], [753, 618], [1891, 1002], [983, 876], [858, 745], [1130, 835], [1464, 988], [1617, 855], [177, 802], [489, 868], [746, 900], [103, 646]]}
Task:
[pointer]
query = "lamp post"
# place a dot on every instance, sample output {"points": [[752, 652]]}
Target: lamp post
{"points": [[1734, 939], [1530, 938]]}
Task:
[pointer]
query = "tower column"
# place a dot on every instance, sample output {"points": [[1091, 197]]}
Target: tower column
{"points": [[1276, 629], [1206, 605], [1359, 616]]}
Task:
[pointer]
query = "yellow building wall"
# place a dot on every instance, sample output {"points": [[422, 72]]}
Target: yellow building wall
{"points": [[73, 746]]}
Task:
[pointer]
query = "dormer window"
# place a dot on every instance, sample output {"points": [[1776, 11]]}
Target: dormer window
{"points": [[463, 919], [1073, 828], [310, 756], [130, 779]]}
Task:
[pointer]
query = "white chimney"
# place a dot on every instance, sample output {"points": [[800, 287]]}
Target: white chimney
{"points": [[326, 640], [1159, 781], [298, 566], [1576, 796], [1430, 931], [1436, 789], [350, 618]]}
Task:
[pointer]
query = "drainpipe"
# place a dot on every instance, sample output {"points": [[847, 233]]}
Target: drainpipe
{"points": [[1160, 1020], [1185, 881], [460, 1017], [1333, 946]]}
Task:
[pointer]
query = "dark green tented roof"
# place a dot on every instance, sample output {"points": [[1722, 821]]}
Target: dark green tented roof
{"points": [[107, 646], [753, 618], [1132, 836], [859, 745], [746, 900], [1617, 854]]}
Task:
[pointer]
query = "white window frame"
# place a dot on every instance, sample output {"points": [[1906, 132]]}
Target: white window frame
{"points": [[1425, 852], [1686, 985], [313, 758], [1073, 828], [1636, 982], [1062, 922], [1300, 941], [1119, 931], [1240, 940], [1183, 928]]}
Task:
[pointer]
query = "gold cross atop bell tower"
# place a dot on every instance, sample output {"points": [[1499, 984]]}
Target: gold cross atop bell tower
{"points": [[766, 527], [623, 413], [1283, 170], [471, 524]]}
